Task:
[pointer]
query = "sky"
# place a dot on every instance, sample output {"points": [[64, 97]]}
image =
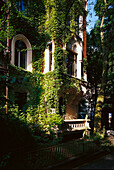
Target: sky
{"points": [[91, 18]]}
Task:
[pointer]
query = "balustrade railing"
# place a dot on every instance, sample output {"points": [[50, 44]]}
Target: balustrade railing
{"points": [[72, 124], [75, 124]]}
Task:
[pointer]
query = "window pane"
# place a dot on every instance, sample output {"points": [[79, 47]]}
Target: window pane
{"points": [[71, 64], [16, 57], [20, 54], [21, 5], [50, 57], [22, 59]]}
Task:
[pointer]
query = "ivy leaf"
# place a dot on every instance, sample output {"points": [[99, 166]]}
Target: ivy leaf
{"points": [[25, 79], [4, 77], [13, 80]]}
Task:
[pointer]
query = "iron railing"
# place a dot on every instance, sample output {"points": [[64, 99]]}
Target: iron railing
{"points": [[41, 158]]}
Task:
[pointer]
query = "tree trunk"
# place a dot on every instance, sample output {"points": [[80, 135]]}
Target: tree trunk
{"points": [[101, 95]]}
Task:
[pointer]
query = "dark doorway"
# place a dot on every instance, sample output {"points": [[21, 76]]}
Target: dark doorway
{"points": [[20, 100]]}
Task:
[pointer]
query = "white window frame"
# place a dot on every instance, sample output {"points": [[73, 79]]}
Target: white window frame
{"points": [[21, 37]]}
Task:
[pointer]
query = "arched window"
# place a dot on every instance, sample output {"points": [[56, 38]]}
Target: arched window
{"points": [[21, 52]]}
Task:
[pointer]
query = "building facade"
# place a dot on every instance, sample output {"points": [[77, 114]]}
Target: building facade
{"points": [[21, 46]]}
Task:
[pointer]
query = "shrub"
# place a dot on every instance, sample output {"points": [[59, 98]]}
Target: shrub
{"points": [[41, 121]]}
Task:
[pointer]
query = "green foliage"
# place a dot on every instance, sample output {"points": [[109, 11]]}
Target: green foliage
{"points": [[15, 134], [106, 11], [58, 14], [60, 56], [99, 138], [2, 108], [100, 59], [43, 91], [54, 84], [50, 122], [32, 19], [48, 85], [94, 57], [14, 112], [46, 122], [4, 161], [24, 81]]}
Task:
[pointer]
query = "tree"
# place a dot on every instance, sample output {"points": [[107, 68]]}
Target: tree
{"points": [[104, 10], [94, 66]]}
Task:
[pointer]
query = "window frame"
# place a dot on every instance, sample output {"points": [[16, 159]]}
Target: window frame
{"points": [[74, 65], [29, 50], [19, 56]]}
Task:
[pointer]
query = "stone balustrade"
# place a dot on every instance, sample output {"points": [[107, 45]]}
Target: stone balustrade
{"points": [[74, 125], [71, 124], [77, 124]]}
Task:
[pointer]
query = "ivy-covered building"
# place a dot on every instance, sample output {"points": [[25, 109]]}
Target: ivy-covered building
{"points": [[46, 51]]}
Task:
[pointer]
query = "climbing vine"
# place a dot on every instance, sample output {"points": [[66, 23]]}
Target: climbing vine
{"points": [[42, 21], [61, 25]]}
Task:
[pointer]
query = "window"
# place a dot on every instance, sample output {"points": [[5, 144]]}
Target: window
{"points": [[21, 5], [24, 6], [20, 54], [77, 24], [71, 62], [50, 57]]}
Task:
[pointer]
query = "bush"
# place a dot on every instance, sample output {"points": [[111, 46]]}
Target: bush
{"points": [[43, 122], [14, 133], [100, 140]]}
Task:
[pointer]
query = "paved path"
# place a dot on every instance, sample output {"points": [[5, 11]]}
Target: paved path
{"points": [[106, 162]]}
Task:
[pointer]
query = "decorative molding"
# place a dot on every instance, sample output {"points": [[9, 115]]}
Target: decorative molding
{"points": [[29, 50]]}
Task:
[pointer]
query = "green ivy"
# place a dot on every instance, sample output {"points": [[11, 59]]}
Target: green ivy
{"points": [[44, 89]]}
